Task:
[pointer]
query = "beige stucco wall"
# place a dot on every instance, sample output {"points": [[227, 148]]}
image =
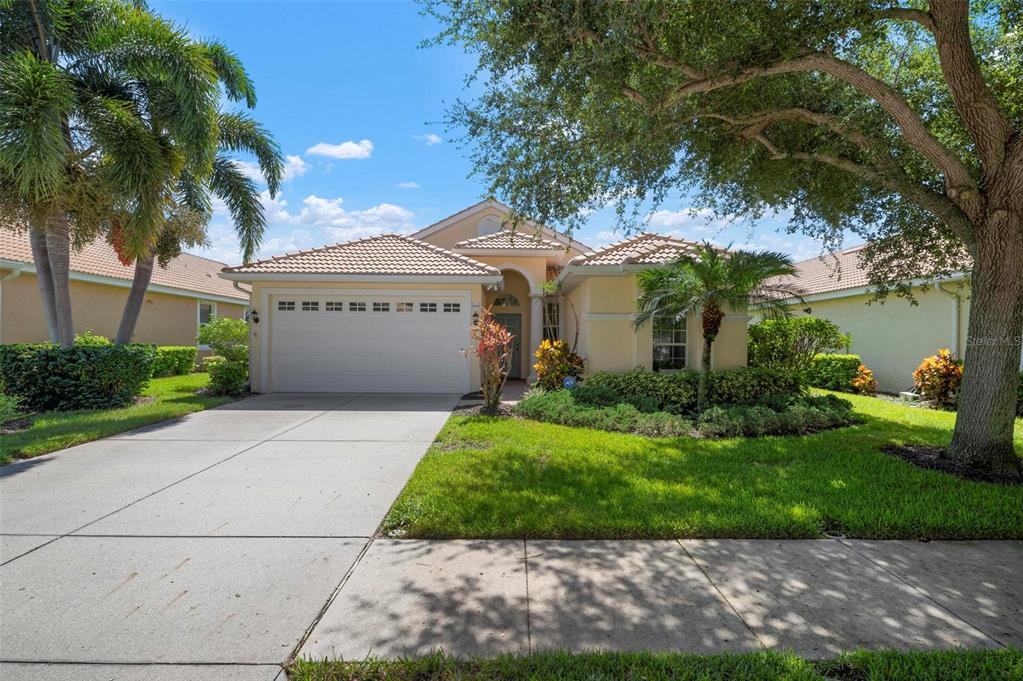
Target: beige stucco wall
{"points": [[609, 340], [894, 336], [165, 319], [263, 332]]}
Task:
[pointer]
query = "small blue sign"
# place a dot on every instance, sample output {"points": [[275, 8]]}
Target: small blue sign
{"points": [[568, 382]]}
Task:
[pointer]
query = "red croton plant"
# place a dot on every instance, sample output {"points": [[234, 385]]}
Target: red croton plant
{"points": [[492, 344]]}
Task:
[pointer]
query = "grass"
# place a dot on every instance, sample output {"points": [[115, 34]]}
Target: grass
{"points": [[947, 665], [174, 396], [501, 477]]}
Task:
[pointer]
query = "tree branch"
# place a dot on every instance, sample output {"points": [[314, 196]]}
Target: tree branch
{"points": [[980, 111], [908, 14]]}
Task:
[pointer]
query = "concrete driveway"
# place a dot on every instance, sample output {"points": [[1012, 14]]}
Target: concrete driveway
{"points": [[216, 539]]}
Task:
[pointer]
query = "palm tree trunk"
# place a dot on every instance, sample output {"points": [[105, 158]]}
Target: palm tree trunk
{"points": [[44, 279], [137, 295], [701, 390], [58, 249]]}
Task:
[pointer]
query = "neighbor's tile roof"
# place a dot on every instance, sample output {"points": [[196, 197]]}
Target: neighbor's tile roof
{"points": [[642, 249], [385, 254], [187, 272], [830, 272], [511, 239]]}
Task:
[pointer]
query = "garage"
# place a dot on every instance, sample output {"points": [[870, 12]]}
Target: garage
{"points": [[370, 342]]}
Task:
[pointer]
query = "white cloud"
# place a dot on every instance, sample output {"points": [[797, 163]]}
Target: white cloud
{"points": [[430, 138], [250, 170], [688, 223], [294, 166], [408, 185], [345, 150], [341, 224]]}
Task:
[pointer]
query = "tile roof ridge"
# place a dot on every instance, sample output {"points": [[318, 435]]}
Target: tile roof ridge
{"points": [[446, 252]]}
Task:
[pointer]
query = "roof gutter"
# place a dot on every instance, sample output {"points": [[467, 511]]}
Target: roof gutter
{"points": [[15, 267], [378, 278]]}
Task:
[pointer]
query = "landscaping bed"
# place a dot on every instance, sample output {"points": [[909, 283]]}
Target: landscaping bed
{"points": [[164, 398], [945, 665], [501, 477]]}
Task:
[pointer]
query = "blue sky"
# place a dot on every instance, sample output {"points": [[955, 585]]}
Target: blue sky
{"points": [[355, 104]]}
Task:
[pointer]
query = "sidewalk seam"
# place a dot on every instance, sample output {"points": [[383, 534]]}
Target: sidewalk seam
{"points": [[722, 595], [529, 628], [330, 600], [922, 593]]}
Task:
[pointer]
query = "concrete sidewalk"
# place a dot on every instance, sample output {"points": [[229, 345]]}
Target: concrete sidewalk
{"points": [[816, 597]]}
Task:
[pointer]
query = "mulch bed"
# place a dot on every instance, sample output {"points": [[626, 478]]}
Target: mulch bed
{"points": [[933, 458], [474, 409]]}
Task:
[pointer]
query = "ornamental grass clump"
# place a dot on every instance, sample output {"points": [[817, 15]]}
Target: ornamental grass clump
{"points": [[491, 343]]}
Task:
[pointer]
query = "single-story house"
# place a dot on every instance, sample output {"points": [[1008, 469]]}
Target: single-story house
{"points": [[393, 313], [181, 297], [892, 336]]}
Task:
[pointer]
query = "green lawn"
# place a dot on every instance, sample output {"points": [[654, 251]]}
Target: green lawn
{"points": [[175, 396], [949, 665], [494, 477]]}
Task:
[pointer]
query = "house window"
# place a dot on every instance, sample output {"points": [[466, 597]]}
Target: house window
{"points": [[427, 307], [334, 306], [286, 305], [405, 307], [452, 307], [207, 311], [356, 307], [551, 320], [669, 343], [506, 300], [381, 307], [310, 306]]}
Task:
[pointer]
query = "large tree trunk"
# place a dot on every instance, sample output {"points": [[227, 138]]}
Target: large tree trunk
{"points": [[44, 279], [137, 295], [58, 249], [987, 399]]}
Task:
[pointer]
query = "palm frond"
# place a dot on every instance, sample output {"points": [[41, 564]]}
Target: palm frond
{"points": [[234, 77], [238, 132], [242, 199], [35, 102]]}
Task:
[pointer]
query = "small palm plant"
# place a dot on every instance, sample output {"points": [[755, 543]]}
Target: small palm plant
{"points": [[712, 281]]}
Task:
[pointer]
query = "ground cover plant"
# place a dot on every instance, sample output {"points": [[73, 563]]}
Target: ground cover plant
{"points": [[945, 665], [501, 477], [165, 398]]}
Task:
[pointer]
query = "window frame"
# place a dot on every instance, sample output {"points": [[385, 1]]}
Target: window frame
{"points": [[680, 326], [551, 325], [198, 318], [357, 306]]}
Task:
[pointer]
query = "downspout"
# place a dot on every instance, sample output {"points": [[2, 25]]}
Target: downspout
{"points": [[15, 272], [958, 316]]}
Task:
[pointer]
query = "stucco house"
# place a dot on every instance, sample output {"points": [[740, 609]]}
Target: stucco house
{"points": [[392, 313], [182, 296], [892, 336]]}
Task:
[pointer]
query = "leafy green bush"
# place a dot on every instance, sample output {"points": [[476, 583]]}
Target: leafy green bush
{"points": [[1019, 395], [780, 416], [675, 392], [174, 360], [10, 406], [834, 372], [89, 338], [227, 337], [48, 377], [227, 377], [793, 342]]}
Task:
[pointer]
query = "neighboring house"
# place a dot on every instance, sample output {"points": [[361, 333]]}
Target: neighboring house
{"points": [[182, 296], [891, 336], [392, 313]]}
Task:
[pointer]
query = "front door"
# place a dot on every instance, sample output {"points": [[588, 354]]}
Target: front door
{"points": [[513, 322]]}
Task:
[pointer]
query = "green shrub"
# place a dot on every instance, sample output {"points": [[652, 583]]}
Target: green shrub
{"points": [[227, 377], [48, 377], [793, 342], [1019, 395], [89, 338], [803, 415], [560, 406], [749, 384], [834, 372], [10, 406], [227, 337], [555, 361], [673, 392], [174, 360]]}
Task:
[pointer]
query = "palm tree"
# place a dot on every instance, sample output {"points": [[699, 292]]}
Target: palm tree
{"points": [[101, 105], [189, 209], [712, 281]]}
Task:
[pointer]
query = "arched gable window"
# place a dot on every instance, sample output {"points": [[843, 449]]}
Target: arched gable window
{"points": [[506, 300]]}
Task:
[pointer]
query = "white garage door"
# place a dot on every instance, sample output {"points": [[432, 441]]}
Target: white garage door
{"points": [[370, 343]]}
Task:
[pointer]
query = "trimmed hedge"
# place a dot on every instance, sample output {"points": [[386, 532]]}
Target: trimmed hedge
{"points": [[48, 377], [675, 392], [174, 360], [834, 372], [227, 377]]}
